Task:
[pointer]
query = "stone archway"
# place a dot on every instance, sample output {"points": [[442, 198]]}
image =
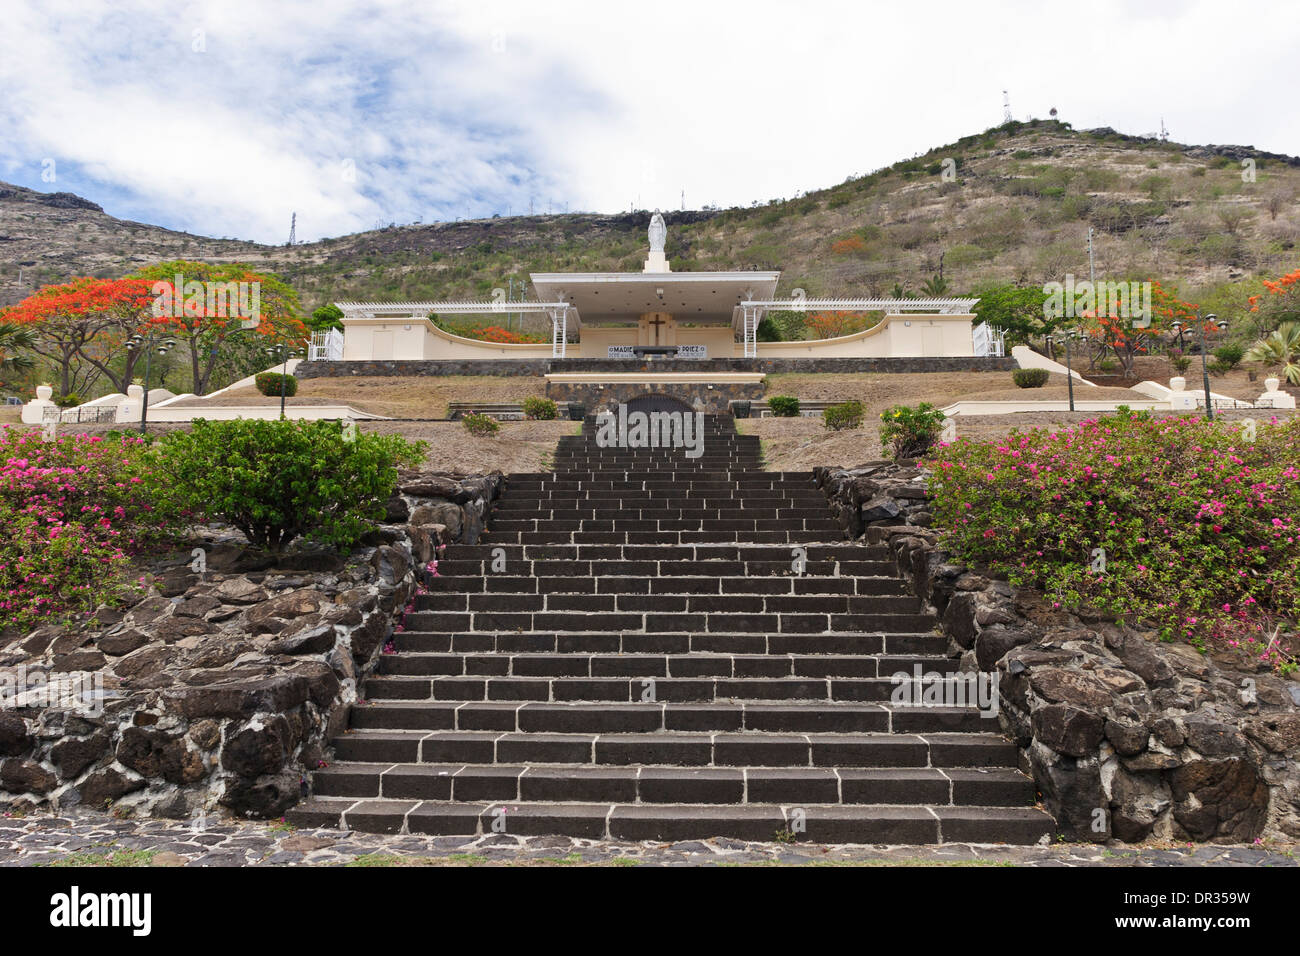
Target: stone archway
{"points": [[658, 402]]}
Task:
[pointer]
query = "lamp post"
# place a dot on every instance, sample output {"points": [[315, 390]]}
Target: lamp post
{"points": [[282, 353], [1205, 370], [146, 342], [1067, 338]]}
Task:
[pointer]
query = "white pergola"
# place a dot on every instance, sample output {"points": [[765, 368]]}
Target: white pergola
{"points": [[746, 314], [560, 313], [749, 313]]}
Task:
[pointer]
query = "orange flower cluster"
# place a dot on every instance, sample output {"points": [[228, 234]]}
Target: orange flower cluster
{"points": [[80, 297], [494, 333], [843, 247], [829, 325], [1280, 287]]}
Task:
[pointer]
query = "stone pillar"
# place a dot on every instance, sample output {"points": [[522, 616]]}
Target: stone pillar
{"points": [[33, 412], [1180, 398], [1274, 398], [129, 410]]}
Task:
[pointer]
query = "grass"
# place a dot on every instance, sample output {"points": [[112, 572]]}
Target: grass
{"points": [[116, 858], [575, 859], [417, 396]]}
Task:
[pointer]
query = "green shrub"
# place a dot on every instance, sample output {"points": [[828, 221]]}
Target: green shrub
{"points": [[70, 400], [278, 480], [842, 416], [768, 331], [476, 423], [1175, 524], [911, 431], [268, 383], [1229, 356], [541, 408], [1030, 377], [784, 406], [1179, 362]]}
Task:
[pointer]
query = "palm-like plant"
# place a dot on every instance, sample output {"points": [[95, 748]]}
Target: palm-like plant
{"points": [[14, 341], [935, 287], [1280, 348]]}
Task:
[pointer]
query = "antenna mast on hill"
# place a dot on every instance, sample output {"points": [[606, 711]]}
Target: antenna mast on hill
{"points": [[1006, 107], [1164, 133], [293, 230]]}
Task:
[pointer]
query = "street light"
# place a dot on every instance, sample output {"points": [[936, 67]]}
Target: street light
{"points": [[1067, 338], [1205, 371], [146, 342], [282, 353]]}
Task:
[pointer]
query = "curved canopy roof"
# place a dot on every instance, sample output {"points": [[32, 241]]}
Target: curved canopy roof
{"points": [[707, 297]]}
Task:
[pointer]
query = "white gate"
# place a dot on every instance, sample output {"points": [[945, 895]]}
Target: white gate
{"points": [[326, 346]]}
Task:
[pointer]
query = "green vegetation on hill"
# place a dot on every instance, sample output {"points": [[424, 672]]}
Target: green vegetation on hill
{"points": [[1013, 205]]}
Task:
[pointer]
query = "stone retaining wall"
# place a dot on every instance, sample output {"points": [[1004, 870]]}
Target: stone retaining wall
{"points": [[1126, 737], [710, 399], [539, 367], [225, 682]]}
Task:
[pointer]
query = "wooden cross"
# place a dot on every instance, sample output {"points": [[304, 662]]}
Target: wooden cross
{"points": [[656, 322]]}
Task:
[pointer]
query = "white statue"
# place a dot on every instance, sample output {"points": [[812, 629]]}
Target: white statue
{"points": [[658, 232]]}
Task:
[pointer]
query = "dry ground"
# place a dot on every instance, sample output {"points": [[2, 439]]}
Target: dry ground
{"points": [[800, 444], [411, 397], [789, 444], [1236, 383], [518, 447], [878, 392]]}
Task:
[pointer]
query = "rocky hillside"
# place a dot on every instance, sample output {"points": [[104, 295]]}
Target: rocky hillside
{"points": [[1013, 203]]}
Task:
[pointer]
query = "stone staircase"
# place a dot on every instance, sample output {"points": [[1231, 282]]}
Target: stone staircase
{"points": [[650, 665]]}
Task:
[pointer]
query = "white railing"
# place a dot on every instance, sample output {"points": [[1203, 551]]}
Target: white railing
{"points": [[988, 340], [326, 346]]}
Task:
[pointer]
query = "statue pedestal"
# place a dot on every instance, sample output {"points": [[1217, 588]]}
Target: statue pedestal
{"points": [[1274, 398], [33, 412], [656, 262], [1179, 397]]}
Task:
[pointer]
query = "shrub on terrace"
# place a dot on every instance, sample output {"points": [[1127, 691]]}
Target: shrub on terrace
{"points": [[1196, 524], [278, 480], [784, 406]]}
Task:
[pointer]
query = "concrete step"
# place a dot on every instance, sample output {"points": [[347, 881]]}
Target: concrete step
{"points": [[632, 578], [681, 748], [658, 604], [959, 786], [673, 822], [616, 642], [623, 717], [695, 665], [649, 622]]}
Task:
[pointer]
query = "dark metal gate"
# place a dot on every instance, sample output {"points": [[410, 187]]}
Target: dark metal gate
{"points": [[657, 403]]}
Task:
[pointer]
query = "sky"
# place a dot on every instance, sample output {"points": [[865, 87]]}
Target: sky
{"points": [[223, 118]]}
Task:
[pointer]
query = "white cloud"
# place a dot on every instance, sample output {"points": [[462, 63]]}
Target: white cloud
{"points": [[450, 109]]}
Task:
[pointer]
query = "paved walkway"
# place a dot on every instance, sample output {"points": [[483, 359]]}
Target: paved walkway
{"points": [[85, 838]]}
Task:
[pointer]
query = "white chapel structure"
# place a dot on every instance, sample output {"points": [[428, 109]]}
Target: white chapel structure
{"points": [[661, 313]]}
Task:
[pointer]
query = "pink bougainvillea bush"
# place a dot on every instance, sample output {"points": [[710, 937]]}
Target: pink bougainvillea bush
{"points": [[73, 512], [1186, 526]]}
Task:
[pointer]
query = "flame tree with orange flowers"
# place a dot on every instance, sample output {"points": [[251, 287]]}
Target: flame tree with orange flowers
{"points": [[1119, 335], [82, 326], [217, 336]]}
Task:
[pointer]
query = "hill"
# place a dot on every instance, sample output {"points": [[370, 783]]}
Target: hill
{"points": [[1012, 204]]}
